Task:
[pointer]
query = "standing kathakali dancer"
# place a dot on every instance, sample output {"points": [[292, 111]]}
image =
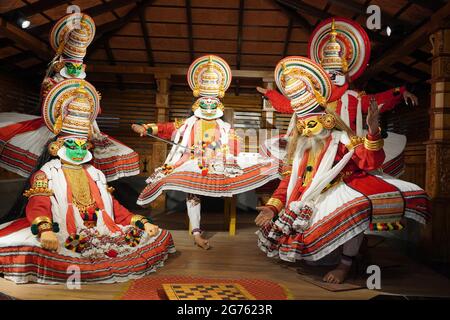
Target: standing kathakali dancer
{"points": [[205, 160], [23, 137], [70, 219], [330, 199], [342, 48]]}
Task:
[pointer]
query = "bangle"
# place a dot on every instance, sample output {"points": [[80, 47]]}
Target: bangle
{"points": [[373, 145], [43, 227], [274, 202], [138, 221]]}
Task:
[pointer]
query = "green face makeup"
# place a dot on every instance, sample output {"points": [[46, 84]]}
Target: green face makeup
{"points": [[74, 69], [76, 149]]}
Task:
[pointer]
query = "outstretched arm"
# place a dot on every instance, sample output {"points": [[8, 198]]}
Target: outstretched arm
{"points": [[163, 130], [278, 101], [389, 99]]}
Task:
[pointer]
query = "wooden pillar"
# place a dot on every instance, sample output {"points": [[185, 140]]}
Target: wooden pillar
{"points": [[160, 149], [438, 148]]}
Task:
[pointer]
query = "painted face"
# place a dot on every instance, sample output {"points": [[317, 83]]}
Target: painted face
{"points": [[337, 77], [74, 69], [208, 106], [310, 126], [76, 149]]}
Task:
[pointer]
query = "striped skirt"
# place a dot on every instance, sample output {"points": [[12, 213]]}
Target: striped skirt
{"points": [[188, 178], [23, 260], [342, 213]]}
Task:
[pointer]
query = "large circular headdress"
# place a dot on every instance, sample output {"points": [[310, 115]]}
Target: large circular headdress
{"points": [[353, 40], [305, 68], [72, 34], [63, 101], [209, 76]]}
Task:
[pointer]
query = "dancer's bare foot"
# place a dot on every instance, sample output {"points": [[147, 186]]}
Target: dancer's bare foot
{"points": [[337, 275], [202, 243]]}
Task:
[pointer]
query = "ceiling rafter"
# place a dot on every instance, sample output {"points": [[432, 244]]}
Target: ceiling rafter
{"points": [[431, 5], [36, 7], [190, 31], [107, 30], [409, 44], [92, 11], [148, 45], [295, 15], [288, 37], [239, 42], [112, 61]]}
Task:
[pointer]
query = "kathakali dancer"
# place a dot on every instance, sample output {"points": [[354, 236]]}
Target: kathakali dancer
{"points": [[70, 218], [23, 137], [342, 48], [329, 198], [205, 160]]}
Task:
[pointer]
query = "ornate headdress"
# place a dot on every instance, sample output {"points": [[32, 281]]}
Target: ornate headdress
{"points": [[72, 34], [70, 108], [305, 83], [209, 76], [340, 44]]}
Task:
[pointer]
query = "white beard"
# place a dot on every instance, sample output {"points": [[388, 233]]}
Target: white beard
{"points": [[316, 142]]}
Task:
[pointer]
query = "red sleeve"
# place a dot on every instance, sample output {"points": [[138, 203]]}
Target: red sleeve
{"points": [[281, 193], [367, 159], [165, 130], [38, 206], [121, 214], [278, 101], [389, 99]]}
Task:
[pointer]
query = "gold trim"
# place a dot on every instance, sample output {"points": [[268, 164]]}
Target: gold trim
{"points": [[178, 123], [275, 203], [110, 189], [373, 145], [354, 141], [137, 217], [40, 220], [38, 192]]}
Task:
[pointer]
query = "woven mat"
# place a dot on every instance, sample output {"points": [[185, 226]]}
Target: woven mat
{"points": [[151, 287]]}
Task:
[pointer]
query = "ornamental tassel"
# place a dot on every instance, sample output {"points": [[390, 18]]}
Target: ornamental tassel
{"points": [[58, 125]]}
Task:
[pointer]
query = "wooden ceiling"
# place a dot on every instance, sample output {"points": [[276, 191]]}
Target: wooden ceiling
{"points": [[248, 34]]}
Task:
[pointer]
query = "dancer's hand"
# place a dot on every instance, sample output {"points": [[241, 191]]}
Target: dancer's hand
{"points": [[265, 216], [151, 229], [139, 129], [373, 117], [49, 241], [261, 90], [414, 100]]}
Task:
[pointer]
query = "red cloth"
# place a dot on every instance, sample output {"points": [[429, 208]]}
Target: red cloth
{"points": [[279, 101], [165, 130], [362, 160], [8, 132]]}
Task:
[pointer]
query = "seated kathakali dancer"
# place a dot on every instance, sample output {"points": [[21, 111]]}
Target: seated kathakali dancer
{"points": [[342, 47], [329, 199], [23, 137], [205, 160], [70, 219]]}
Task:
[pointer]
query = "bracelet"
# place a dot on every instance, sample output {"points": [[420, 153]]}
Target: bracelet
{"points": [[41, 224], [373, 145], [139, 221], [274, 202], [43, 227]]}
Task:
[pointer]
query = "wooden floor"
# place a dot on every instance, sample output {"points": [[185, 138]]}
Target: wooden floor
{"points": [[238, 257]]}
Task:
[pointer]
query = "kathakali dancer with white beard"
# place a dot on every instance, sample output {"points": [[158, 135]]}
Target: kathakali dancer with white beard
{"points": [[329, 198], [205, 160], [342, 47], [70, 218], [23, 137]]}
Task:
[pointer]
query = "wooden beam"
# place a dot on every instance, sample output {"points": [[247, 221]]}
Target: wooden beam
{"points": [[107, 30], [23, 39], [358, 8], [415, 40], [288, 37], [189, 26], [11, 60], [416, 73], [121, 69], [239, 42], [5, 42], [431, 5], [294, 15], [301, 6], [421, 56], [92, 11], [32, 8], [148, 46]]}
